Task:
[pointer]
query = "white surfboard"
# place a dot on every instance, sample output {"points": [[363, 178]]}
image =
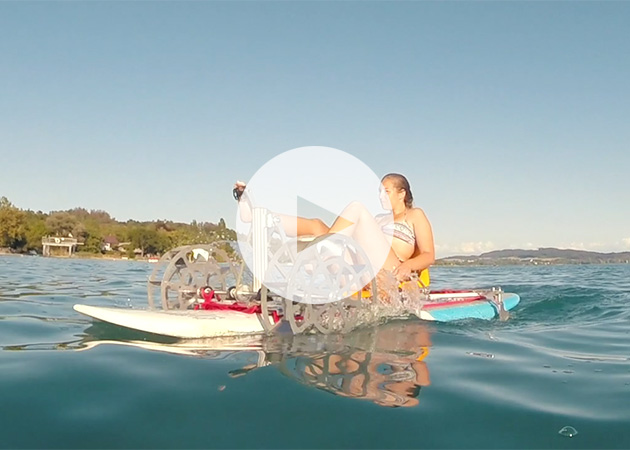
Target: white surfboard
{"points": [[188, 324]]}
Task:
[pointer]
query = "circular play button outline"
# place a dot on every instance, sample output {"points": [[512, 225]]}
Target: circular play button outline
{"points": [[313, 181]]}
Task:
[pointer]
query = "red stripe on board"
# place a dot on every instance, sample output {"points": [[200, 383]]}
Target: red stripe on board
{"points": [[462, 301], [451, 291]]}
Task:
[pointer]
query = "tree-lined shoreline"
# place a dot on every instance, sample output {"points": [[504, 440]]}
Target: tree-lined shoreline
{"points": [[21, 232]]}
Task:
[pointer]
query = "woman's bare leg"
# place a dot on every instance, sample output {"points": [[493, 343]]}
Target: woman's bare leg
{"points": [[300, 226], [293, 226], [357, 222]]}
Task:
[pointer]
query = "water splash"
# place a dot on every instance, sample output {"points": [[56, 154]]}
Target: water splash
{"points": [[394, 301]]}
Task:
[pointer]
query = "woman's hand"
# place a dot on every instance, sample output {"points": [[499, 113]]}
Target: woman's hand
{"points": [[403, 271], [239, 188]]}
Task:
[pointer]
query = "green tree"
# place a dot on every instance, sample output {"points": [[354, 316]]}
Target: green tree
{"points": [[61, 223], [11, 225], [92, 216], [182, 236], [92, 239], [148, 240], [35, 230]]}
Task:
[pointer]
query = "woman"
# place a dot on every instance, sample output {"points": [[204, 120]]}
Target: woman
{"points": [[406, 243]]}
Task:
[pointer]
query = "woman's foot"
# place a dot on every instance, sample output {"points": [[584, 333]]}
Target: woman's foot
{"points": [[239, 188], [244, 206]]}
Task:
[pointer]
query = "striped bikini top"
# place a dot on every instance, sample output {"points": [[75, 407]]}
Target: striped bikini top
{"points": [[404, 231], [401, 230]]}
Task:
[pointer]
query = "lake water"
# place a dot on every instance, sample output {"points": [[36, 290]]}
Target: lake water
{"points": [[563, 359]]}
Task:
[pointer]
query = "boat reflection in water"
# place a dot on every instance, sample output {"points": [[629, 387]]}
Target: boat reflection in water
{"points": [[386, 364]]}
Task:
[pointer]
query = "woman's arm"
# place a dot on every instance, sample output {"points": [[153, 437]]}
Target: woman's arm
{"points": [[424, 256]]}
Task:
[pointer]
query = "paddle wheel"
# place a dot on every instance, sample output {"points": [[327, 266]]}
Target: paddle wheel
{"points": [[181, 272]]}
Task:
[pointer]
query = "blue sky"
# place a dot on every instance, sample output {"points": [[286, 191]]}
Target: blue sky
{"points": [[508, 118]]}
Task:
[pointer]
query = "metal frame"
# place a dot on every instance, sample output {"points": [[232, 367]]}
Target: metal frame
{"points": [[177, 278], [175, 281]]}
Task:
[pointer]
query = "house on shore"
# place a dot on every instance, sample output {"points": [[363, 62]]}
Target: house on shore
{"points": [[110, 243]]}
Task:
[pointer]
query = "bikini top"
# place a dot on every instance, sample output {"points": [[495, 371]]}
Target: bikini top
{"points": [[401, 230], [404, 231]]}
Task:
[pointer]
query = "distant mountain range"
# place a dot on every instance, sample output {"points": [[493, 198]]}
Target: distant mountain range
{"points": [[539, 256]]}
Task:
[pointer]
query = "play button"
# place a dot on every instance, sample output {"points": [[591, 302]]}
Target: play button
{"points": [[284, 217]]}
